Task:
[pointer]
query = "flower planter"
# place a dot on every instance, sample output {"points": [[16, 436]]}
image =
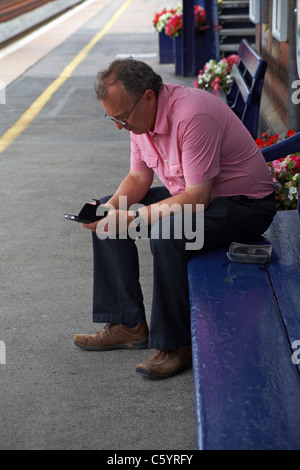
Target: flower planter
{"points": [[200, 53], [166, 50]]}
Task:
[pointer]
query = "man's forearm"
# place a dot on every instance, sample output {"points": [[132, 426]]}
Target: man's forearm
{"points": [[132, 188], [193, 199]]}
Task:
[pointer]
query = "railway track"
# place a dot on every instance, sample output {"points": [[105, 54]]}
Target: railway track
{"points": [[10, 9], [14, 9]]}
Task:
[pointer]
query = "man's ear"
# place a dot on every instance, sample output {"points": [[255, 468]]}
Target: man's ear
{"points": [[150, 95], [151, 99]]}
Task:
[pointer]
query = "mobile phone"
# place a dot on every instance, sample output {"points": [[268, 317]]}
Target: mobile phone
{"points": [[87, 215]]}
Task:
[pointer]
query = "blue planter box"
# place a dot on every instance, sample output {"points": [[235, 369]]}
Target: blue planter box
{"points": [[177, 44], [200, 58], [166, 54]]}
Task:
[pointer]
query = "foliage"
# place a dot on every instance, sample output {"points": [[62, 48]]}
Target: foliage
{"points": [[217, 75], [161, 18], [171, 21], [285, 172]]}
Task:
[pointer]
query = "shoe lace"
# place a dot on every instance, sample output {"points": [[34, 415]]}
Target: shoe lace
{"points": [[160, 354], [106, 330], [171, 353]]}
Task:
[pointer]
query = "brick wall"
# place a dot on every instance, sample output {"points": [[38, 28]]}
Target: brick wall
{"points": [[281, 59]]}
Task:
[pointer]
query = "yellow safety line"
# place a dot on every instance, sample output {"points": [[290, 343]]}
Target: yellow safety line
{"points": [[23, 122]]}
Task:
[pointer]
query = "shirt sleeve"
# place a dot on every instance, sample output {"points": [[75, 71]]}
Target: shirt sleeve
{"points": [[201, 138]]}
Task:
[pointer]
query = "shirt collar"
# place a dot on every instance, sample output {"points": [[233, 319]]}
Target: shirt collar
{"points": [[161, 121]]}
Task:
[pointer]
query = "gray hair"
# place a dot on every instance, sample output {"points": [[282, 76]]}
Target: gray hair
{"points": [[135, 76]]}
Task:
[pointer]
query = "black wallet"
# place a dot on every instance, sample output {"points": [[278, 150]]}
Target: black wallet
{"points": [[88, 213]]}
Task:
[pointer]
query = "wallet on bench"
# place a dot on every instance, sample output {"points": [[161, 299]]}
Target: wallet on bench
{"points": [[241, 253]]}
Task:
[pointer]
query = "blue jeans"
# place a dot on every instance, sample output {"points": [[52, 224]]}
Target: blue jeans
{"points": [[117, 294]]}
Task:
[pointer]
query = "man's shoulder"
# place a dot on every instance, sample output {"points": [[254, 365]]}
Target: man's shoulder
{"points": [[173, 88], [189, 95]]}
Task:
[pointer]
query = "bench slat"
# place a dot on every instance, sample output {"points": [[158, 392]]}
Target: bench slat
{"points": [[282, 149], [245, 92], [249, 57], [241, 83]]}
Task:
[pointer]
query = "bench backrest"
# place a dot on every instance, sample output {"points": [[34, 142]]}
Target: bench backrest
{"points": [[283, 149], [245, 93]]}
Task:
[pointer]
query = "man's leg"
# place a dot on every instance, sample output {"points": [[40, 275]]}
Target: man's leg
{"points": [[117, 294], [226, 220]]}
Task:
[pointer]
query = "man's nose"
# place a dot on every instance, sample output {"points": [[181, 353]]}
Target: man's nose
{"points": [[119, 125]]}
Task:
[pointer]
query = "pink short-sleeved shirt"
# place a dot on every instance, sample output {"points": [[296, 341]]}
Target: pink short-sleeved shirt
{"points": [[197, 137]]}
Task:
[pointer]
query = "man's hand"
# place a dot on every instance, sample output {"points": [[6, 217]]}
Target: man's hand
{"points": [[116, 221], [92, 226]]}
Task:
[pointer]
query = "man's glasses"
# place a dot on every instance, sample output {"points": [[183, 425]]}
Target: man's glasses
{"points": [[124, 123]]}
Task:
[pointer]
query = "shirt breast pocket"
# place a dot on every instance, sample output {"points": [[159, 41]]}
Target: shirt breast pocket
{"points": [[175, 170], [151, 161]]}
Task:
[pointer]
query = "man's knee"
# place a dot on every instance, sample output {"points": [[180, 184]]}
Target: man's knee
{"points": [[104, 199], [164, 239]]}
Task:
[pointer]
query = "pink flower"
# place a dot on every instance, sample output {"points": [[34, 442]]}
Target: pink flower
{"points": [[277, 166], [233, 59], [295, 159], [215, 84]]}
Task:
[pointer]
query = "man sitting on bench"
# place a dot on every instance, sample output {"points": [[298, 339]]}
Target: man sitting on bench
{"points": [[203, 154]]}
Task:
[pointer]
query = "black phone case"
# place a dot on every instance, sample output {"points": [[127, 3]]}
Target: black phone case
{"points": [[87, 214]]}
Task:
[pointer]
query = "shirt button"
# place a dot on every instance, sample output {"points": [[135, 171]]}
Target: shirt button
{"points": [[154, 138], [165, 161], [171, 183]]}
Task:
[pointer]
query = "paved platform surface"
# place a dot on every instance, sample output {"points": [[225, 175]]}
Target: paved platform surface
{"points": [[54, 395]]}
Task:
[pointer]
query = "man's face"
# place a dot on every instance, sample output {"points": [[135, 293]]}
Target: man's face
{"points": [[137, 114]]}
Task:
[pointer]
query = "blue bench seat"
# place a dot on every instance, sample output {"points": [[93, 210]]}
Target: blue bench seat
{"points": [[245, 321], [284, 271], [244, 318]]}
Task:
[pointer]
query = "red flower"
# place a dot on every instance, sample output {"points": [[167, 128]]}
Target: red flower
{"points": [[175, 23], [290, 133]]}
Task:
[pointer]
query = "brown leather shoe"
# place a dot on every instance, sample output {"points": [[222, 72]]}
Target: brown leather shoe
{"points": [[115, 336], [165, 364]]}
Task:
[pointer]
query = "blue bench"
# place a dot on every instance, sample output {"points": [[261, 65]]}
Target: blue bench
{"points": [[244, 321], [245, 92]]}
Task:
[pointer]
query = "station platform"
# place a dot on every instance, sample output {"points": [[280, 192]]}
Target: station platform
{"points": [[53, 395]]}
